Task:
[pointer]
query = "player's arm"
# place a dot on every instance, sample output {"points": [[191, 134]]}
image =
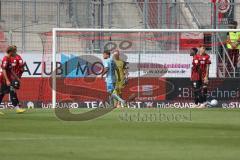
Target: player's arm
{"points": [[125, 69], [15, 76], [196, 65], [5, 76], [4, 71], [105, 69], [21, 64], [207, 72]]}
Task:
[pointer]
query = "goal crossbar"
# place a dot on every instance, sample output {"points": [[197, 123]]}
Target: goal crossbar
{"points": [[143, 30]]}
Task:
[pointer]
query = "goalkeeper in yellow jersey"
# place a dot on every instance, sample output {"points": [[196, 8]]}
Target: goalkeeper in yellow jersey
{"points": [[121, 75]]}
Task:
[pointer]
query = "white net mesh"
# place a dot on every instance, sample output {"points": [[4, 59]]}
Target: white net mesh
{"points": [[152, 58]]}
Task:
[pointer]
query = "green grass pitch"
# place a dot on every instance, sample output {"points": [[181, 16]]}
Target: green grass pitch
{"points": [[208, 134]]}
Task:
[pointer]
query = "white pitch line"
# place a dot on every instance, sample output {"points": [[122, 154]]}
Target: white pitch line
{"points": [[41, 138], [85, 138]]}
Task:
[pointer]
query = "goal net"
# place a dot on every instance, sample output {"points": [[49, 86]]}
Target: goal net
{"points": [[158, 63]]}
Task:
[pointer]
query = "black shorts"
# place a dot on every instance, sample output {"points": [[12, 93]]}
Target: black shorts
{"points": [[197, 84], [4, 89]]}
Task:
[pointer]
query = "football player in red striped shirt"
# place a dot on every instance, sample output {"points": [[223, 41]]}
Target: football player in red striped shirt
{"points": [[200, 76], [17, 63], [8, 80], [195, 78]]}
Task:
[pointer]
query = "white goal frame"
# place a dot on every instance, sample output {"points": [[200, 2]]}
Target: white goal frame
{"points": [[54, 44]]}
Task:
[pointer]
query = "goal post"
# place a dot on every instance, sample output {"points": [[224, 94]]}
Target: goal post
{"points": [[152, 40]]}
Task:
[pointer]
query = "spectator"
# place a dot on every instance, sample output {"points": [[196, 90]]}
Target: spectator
{"points": [[233, 44]]}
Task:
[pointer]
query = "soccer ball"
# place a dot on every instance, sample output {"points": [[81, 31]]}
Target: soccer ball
{"points": [[214, 103]]}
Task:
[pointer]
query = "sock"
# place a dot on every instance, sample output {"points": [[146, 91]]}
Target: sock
{"points": [[118, 98], [111, 102], [204, 94], [17, 107]]}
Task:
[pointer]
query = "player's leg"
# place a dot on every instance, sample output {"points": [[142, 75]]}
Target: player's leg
{"points": [[15, 101], [2, 93], [118, 98], [118, 91], [197, 92], [111, 88], [204, 92], [203, 100], [4, 90]]}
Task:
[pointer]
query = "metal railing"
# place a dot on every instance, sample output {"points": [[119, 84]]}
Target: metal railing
{"points": [[195, 19], [225, 58]]}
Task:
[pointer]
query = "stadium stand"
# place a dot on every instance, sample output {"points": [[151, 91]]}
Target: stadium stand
{"points": [[196, 8], [23, 21], [3, 41], [26, 23]]}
